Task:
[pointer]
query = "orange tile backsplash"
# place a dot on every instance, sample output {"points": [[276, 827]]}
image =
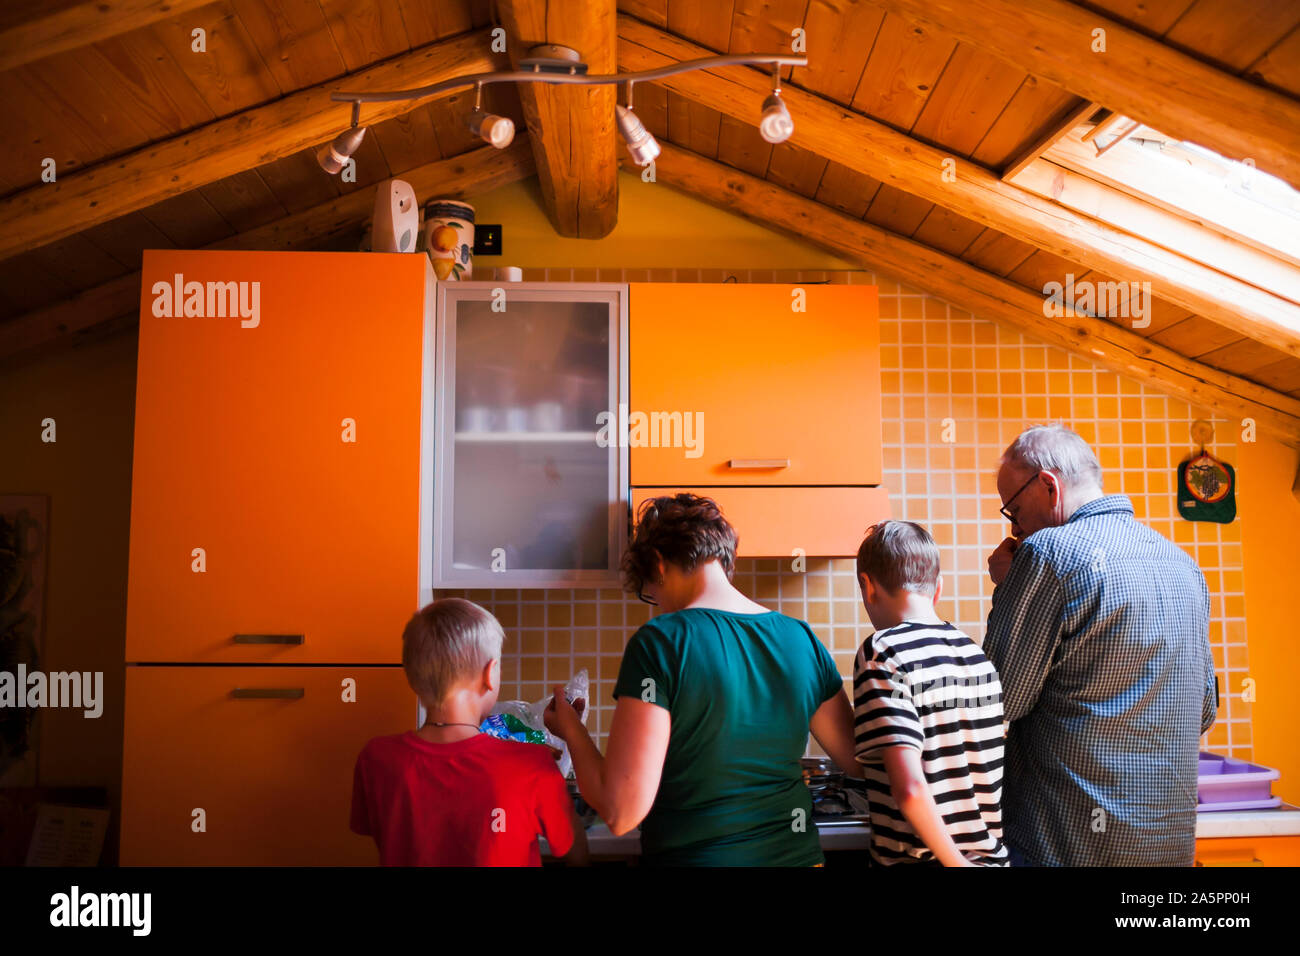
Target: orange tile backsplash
{"points": [[937, 363]]}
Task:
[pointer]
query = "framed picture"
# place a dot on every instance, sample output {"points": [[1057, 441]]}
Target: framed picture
{"points": [[24, 542]]}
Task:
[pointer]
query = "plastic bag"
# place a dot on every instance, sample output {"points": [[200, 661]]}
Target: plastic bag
{"points": [[520, 720]]}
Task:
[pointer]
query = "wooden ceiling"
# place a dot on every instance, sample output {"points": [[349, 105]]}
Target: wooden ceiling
{"points": [[158, 146]]}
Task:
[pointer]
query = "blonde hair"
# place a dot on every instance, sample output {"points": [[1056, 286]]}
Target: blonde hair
{"points": [[446, 643]]}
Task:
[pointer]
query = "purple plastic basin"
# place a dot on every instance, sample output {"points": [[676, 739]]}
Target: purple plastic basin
{"points": [[1226, 783]]}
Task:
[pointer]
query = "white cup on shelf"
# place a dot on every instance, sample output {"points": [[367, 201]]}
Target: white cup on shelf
{"points": [[548, 417], [476, 418], [516, 419]]}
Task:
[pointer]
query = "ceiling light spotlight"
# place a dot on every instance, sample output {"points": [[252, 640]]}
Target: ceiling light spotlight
{"points": [[641, 146], [498, 131], [334, 156], [776, 124]]}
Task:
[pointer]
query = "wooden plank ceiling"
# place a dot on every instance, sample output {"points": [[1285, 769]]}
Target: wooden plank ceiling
{"points": [[106, 95]]}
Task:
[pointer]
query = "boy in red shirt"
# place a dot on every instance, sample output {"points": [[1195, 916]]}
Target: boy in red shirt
{"points": [[446, 794]]}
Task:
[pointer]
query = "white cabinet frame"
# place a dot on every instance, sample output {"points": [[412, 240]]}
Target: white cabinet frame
{"points": [[438, 444]]}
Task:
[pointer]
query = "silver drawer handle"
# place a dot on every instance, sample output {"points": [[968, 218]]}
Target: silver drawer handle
{"points": [[268, 638], [744, 463], [267, 693]]}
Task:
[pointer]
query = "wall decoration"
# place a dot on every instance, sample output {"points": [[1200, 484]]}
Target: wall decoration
{"points": [[24, 537], [1207, 487], [449, 238]]}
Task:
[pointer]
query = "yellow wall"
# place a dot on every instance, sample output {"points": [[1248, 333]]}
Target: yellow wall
{"points": [[90, 393], [658, 227], [1270, 516]]}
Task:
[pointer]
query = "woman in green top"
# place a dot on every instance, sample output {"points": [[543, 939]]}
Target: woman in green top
{"points": [[716, 697]]}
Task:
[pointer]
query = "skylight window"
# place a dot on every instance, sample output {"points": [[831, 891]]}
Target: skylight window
{"points": [[1233, 198]]}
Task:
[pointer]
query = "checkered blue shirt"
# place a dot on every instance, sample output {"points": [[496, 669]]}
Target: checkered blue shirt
{"points": [[1100, 634]]}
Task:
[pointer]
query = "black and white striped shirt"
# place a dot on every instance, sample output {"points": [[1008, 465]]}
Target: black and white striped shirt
{"points": [[929, 686]]}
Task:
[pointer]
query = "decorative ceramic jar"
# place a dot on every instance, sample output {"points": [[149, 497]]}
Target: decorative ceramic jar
{"points": [[449, 238]]}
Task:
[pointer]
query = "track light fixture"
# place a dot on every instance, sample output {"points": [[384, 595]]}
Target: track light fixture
{"points": [[333, 156], [641, 146], [775, 126], [562, 65], [498, 131]]}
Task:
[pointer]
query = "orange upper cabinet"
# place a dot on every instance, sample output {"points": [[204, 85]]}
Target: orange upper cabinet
{"points": [[780, 385], [276, 492], [828, 521]]}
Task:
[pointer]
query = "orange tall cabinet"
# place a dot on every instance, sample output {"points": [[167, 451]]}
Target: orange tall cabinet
{"points": [[277, 495], [780, 386]]}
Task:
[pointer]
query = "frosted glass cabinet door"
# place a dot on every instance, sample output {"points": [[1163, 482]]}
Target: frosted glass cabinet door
{"points": [[529, 489]]}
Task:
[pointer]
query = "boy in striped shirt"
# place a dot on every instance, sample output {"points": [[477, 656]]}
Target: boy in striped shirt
{"points": [[927, 714]]}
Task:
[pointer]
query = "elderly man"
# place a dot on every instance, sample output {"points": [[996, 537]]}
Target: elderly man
{"points": [[1099, 631]]}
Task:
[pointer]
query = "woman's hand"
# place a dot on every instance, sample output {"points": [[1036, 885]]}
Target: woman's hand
{"points": [[832, 727], [562, 718]]}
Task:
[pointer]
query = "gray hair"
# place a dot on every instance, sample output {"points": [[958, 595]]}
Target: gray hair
{"points": [[446, 643], [1057, 449]]}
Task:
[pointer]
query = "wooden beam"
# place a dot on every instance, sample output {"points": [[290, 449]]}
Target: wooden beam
{"points": [[87, 197], [35, 31], [460, 176], [1111, 121], [1054, 132], [1127, 129], [1136, 75], [970, 190], [982, 293], [571, 127]]}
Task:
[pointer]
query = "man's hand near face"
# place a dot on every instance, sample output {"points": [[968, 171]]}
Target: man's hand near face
{"points": [[1000, 559]]}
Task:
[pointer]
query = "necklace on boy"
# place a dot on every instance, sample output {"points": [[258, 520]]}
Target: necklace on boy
{"points": [[434, 723]]}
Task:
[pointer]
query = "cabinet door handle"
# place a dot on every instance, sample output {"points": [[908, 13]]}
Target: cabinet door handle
{"points": [[268, 638], [267, 693], [751, 463]]}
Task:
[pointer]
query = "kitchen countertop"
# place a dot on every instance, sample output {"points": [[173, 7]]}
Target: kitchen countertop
{"points": [[1279, 821], [602, 843]]}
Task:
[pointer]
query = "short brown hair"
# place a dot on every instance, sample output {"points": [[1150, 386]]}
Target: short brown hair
{"points": [[900, 554], [685, 530], [447, 642]]}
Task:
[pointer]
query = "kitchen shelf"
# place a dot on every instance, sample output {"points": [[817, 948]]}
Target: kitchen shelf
{"points": [[505, 438]]}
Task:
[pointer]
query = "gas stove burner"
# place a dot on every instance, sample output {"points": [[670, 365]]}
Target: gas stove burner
{"points": [[845, 799], [831, 804]]}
